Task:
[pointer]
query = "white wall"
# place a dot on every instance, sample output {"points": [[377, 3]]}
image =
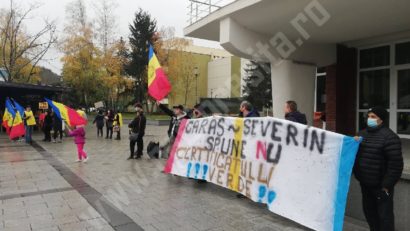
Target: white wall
{"points": [[219, 78], [291, 81]]}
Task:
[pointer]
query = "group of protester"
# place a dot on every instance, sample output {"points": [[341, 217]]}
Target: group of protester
{"points": [[378, 166], [111, 120]]}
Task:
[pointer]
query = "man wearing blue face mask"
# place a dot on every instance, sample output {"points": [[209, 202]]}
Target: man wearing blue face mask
{"points": [[378, 167]]}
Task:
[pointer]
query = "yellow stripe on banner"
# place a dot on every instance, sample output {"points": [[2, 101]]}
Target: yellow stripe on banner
{"points": [[153, 65], [235, 168]]}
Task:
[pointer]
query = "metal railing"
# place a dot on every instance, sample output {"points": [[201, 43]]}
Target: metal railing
{"points": [[199, 9]]}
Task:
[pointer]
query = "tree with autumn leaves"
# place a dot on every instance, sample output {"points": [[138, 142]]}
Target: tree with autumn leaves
{"points": [[108, 69], [94, 69]]}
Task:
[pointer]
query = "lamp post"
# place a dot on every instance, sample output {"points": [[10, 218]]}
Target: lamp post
{"points": [[196, 73]]}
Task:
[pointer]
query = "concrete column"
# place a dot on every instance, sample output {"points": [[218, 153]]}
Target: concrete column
{"points": [[292, 81]]}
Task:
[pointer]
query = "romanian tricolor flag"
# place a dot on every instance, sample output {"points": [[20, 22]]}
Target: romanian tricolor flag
{"points": [[18, 107], [69, 115], [7, 120], [158, 84], [15, 121]]}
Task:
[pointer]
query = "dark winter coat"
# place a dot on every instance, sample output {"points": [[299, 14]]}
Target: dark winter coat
{"points": [[138, 125], [175, 121], [99, 120], [379, 162], [110, 120], [48, 122], [57, 123], [296, 117], [253, 113]]}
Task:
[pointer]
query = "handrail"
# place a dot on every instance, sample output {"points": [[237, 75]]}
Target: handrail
{"points": [[199, 9]]}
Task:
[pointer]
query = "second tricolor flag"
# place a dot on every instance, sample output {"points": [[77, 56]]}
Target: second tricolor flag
{"points": [[158, 84]]}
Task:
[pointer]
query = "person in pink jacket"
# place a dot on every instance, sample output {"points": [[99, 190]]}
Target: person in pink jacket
{"points": [[79, 139]]}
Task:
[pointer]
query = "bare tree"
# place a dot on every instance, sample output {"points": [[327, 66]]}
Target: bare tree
{"points": [[21, 50], [76, 15], [105, 22]]}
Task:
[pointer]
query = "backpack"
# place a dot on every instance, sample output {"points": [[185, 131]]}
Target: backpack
{"points": [[153, 150]]}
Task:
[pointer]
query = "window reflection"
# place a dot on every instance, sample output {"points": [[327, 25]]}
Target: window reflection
{"points": [[403, 123], [375, 57], [374, 89], [403, 53], [403, 89]]}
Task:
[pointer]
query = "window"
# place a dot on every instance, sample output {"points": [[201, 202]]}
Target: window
{"points": [[403, 123], [403, 89], [375, 57], [374, 89], [402, 53]]}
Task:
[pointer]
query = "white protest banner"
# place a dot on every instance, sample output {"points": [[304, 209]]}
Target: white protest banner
{"points": [[300, 172], [99, 104]]}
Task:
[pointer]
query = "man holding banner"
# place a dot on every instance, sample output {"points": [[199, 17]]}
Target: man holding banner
{"points": [[300, 172], [379, 165]]}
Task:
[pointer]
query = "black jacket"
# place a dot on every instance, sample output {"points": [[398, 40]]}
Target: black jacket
{"points": [[379, 162], [48, 121], [109, 120], [138, 125], [57, 123], [253, 113], [99, 120], [296, 117], [175, 121]]}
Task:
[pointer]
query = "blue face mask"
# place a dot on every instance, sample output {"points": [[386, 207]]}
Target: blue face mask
{"points": [[372, 123]]}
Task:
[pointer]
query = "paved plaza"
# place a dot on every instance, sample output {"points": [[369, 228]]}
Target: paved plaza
{"points": [[43, 188]]}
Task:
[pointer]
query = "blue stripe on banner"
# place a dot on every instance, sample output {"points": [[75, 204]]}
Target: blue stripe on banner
{"points": [[347, 159]]}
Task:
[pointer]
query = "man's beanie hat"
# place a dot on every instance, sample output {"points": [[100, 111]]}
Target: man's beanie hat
{"points": [[379, 111]]}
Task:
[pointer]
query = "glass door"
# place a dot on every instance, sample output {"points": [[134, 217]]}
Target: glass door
{"points": [[403, 102]]}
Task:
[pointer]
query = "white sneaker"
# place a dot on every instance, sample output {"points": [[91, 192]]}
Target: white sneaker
{"points": [[54, 141], [85, 160], [78, 160]]}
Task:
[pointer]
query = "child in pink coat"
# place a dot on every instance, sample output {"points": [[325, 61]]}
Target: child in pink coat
{"points": [[79, 139]]}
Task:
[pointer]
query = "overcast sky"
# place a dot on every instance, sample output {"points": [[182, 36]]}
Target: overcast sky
{"points": [[166, 12]]}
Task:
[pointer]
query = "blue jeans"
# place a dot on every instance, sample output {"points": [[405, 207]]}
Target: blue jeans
{"points": [[29, 132]]}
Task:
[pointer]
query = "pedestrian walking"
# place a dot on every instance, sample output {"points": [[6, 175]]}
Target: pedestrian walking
{"points": [[57, 128], [99, 122], [47, 125], [292, 113], [30, 122], [109, 121], [137, 132], [378, 167], [117, 124], [177, 115], [79, 139]]}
